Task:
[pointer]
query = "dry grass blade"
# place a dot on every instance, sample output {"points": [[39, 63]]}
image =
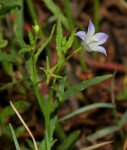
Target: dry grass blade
{"points": [[96, 146], [35, 144]]}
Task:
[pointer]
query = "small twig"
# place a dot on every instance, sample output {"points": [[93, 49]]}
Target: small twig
{"points": [[21, 119]]}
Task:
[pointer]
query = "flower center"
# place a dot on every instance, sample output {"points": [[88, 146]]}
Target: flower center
{"points": [[92, 40]]}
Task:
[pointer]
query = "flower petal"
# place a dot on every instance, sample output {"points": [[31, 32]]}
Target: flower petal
{"points": [[98, 49], [81, 34], [91, 30], [101, 37]]}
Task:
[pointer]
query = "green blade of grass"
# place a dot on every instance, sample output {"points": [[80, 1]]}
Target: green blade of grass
{"points": [[14, 138]]}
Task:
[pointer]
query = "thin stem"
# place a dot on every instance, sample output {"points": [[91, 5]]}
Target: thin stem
{"points": [[36, 90], [74, 52], [96, 14], [32, 10], [41, 102], [81, 58], [96, 20]]}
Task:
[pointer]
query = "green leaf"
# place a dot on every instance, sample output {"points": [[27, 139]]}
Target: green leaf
{"points": [[103, 132], [7, 57], [31, 39], [25, 49], [87, 108], [69, 42], [59, 132], [20, 38], [52, 126], [77, 88], [21, 106], [29, 63], [45, 44], [61, 88], [69, 141], [60, 91], [83, 85], [59, 37], [14, 138], [7, 6]]}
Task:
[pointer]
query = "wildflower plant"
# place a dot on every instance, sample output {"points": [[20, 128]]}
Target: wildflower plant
{"points": [[57, 93]]}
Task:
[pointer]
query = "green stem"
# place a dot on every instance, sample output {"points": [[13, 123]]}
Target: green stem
{"points": [[36, 90], [81, 58], [74, 52], [96, 14], [41, 102], [32, 10]]}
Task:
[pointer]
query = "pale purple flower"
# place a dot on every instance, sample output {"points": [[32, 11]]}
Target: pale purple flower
{"points": [[92, 41]]}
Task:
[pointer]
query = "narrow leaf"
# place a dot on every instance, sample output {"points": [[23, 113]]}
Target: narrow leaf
{"points": [[87, 108], [70, 41], [14, 138], [83, 85], [59, 37], [31, 39], [25, 49]]}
